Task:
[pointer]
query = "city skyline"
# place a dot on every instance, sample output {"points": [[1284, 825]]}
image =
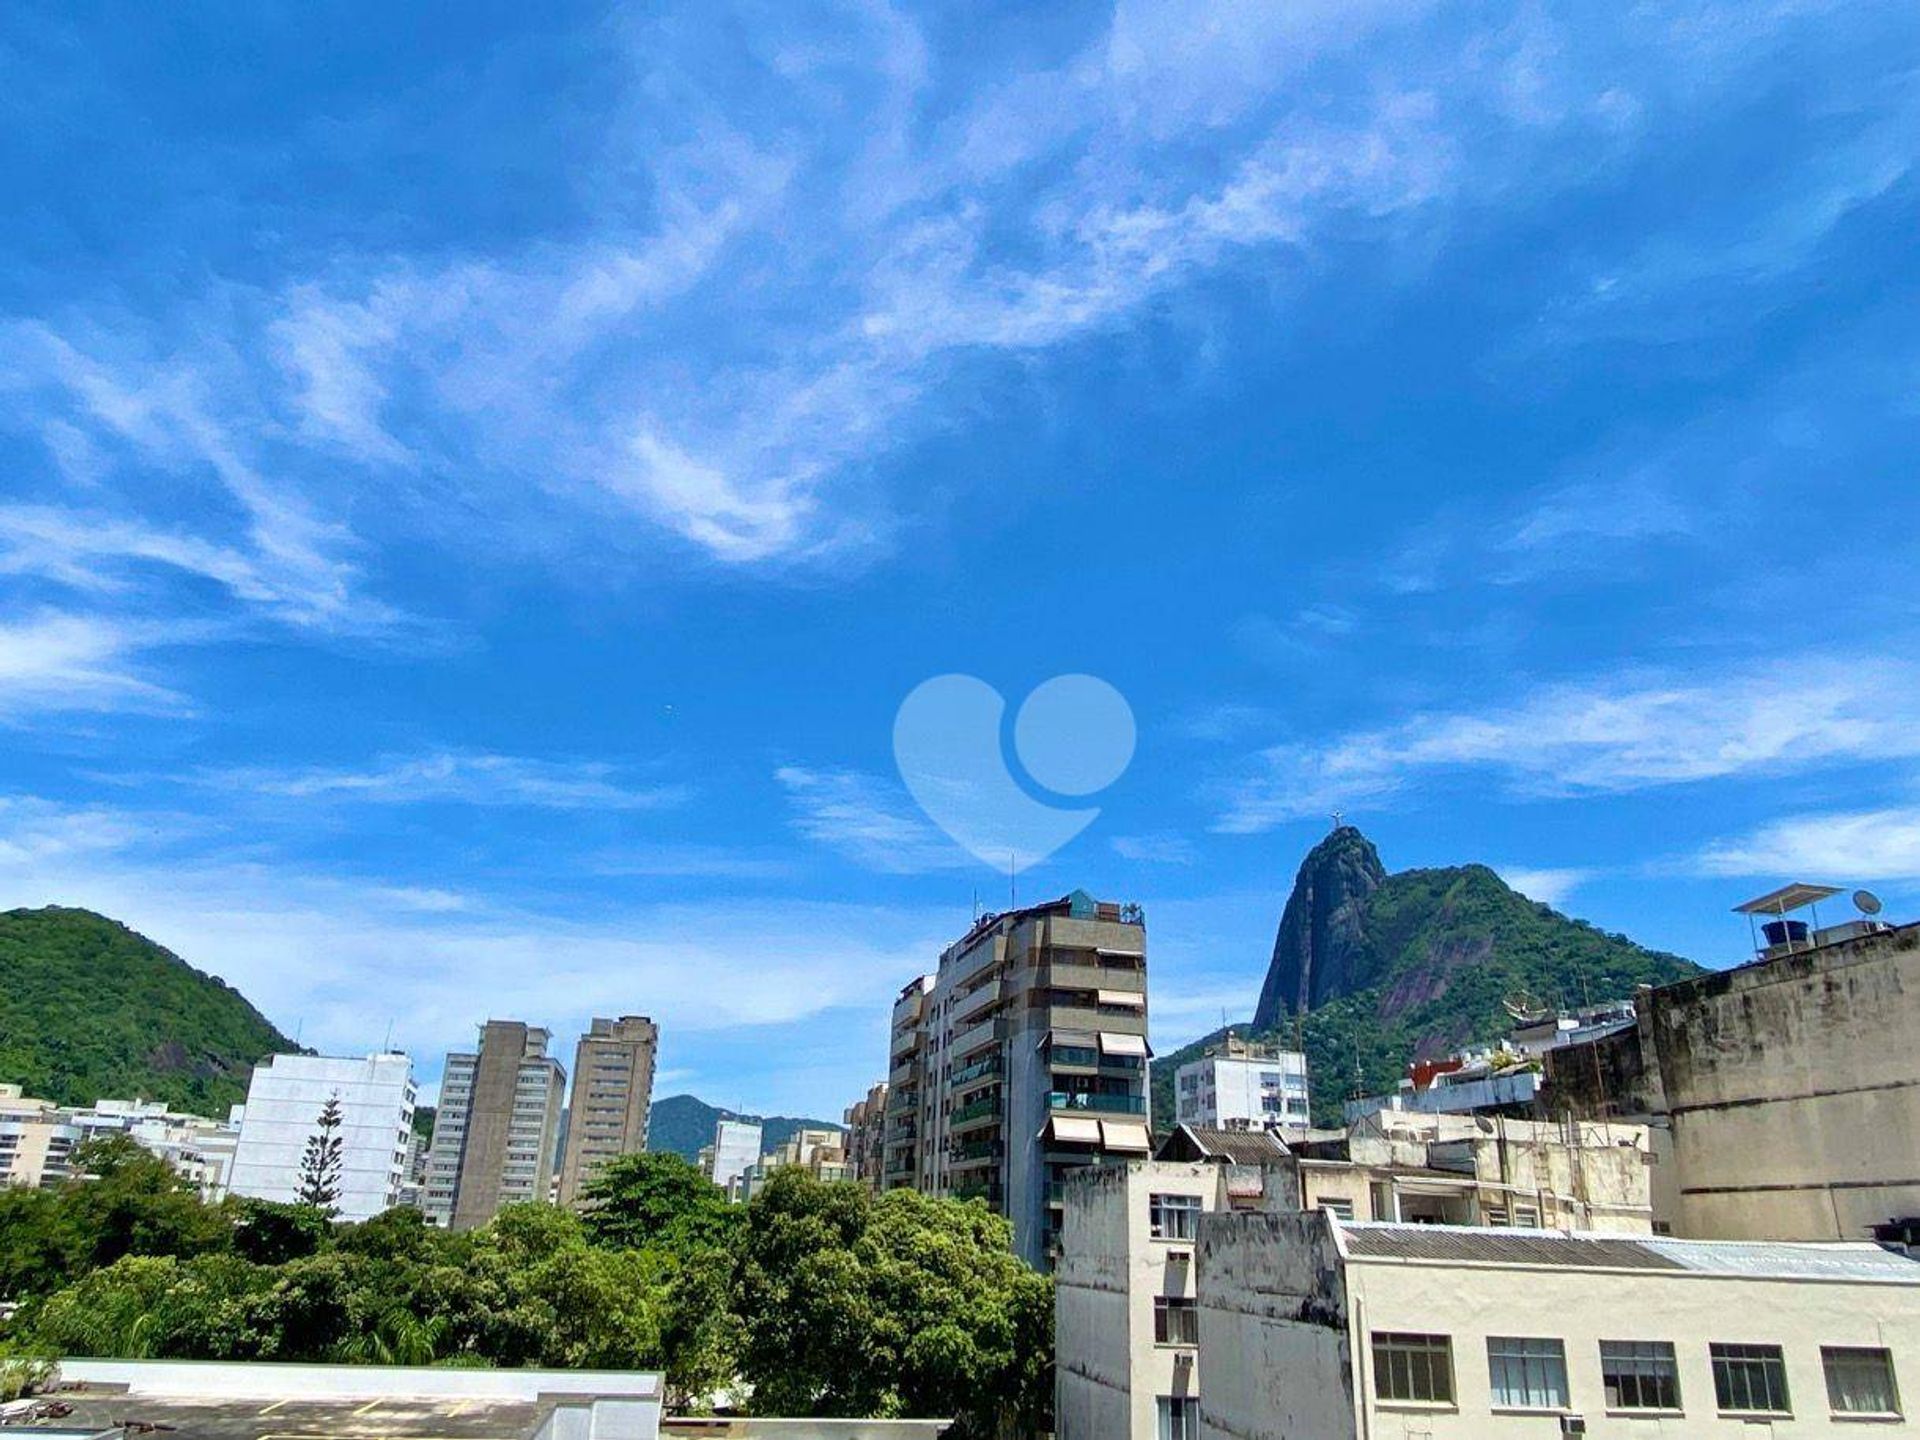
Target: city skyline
{"points": [[481, 579]]}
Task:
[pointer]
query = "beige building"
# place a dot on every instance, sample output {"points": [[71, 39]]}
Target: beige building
{"points": [[1026, 1056], [494, 1132], [1311, 1329], [900, 1163], [1788, 1090], [1129, 1365], [820, 1152], [37, 1140], [866, 1136], [612, 1098]]}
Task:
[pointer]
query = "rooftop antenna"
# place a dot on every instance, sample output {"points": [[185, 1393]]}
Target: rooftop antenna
{"points": [[1013, 870]]}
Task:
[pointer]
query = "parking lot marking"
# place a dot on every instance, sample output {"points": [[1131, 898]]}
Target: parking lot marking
{"points": [[273, 1407], [367, 1408]]}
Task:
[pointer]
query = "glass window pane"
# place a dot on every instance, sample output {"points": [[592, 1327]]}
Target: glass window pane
{"points": [[1860, 1380]]}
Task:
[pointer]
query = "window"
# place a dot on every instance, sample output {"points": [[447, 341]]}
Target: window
{"points": [[1174, 1217], [1640, 1375], [1860, 1380], [1526, 1217], [1179, 1417], [1527, 1374], [1175, 1321], [1340, 1209], [1493, 1215], [1413, 1367], [1750, 1379]]}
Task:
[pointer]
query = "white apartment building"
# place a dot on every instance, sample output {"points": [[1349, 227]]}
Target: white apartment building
{"points": [[1237, 1085], [736, 1150], [37, 1139], [1313, 1329], [284, 1101]]}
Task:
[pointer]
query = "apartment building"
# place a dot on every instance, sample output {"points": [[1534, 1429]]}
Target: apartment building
{"points": [[1309, 1328], [1787, 1091], [37, 1140], [1243, 1085], [612, 1097], [1025, 1055], [820, 1152], [900, 1166], [866, 1136], [735, 1150], [284, 1099], [494, 1132]]}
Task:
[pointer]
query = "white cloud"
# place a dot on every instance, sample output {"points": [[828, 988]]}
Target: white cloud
{"points": [[870, 821], [461, 777], [53, 664], [1549, 886], [1627, 733], [1838, 847], [1161, 848]]}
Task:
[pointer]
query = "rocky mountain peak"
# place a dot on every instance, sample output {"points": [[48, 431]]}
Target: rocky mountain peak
{"points": [[1322, 937]]}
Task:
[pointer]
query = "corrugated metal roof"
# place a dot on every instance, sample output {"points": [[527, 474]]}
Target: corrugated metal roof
{"points": [[1240, 1147], [1555, 1249]]}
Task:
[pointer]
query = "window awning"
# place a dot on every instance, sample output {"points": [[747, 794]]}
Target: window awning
{"points": [[1112, 1043], [1073, 1130], [1128, 1135], [1132, 999], [1120, 954]]}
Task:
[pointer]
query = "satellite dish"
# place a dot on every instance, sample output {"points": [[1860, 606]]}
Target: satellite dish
{"points": [[1866, 902]]}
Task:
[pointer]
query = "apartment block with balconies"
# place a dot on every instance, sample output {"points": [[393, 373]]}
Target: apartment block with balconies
{"points": [[1022, 1059]]}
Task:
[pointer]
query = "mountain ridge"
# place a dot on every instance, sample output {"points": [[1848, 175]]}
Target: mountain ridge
{"points": [[683, 1124], [91, 1008]]}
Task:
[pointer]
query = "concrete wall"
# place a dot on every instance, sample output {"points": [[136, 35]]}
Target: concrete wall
{"points": [[1274, 1329], [255, 1380], [1794, 1091], [808, 1429], [1469, 1303], [1109, 1372]]}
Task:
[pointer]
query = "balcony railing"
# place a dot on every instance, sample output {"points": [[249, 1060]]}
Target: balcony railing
{"points": [[1086, 1100], [979, 1070], [976, 1150], [988, 1105]]}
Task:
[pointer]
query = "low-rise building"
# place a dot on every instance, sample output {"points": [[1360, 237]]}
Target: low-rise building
{"points": [[285, 1098], [1313, 1329], [37, 1140], [1245, 1085]]}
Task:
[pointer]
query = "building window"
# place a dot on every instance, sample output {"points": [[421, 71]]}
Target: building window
{"points": [[1750, 1379], [1640, 1375], [1179, 1417], [1338, 1208], [1527, 1374], [1526, 1217], [1174, 1217], [1860, 1380], [1175, 1321], [1413, 1367]]}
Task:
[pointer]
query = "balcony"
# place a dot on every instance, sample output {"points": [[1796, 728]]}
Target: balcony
{"points": [[987, 1069], [901, 1074], [977, 1003], [973, 1152], [987, 1032], [985, 1108], [979, 1190], [1096, 1103]]}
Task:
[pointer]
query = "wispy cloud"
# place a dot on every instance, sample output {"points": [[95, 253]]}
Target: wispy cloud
{"points": [[1161, 848], [455, 777], [1604, 736], [1549, 886], [53, 663], [868, 820], [1839, 846]]}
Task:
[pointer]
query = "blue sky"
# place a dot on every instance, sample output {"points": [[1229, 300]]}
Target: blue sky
{"points": [[477, 483]]}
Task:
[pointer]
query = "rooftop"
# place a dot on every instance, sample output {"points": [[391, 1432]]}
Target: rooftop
{"points": [[1237, 1147], [1566, 1250]]}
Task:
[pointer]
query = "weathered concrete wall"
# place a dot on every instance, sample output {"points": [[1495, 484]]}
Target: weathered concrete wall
{"points": [[1794, 1091], [1274, 1329]]}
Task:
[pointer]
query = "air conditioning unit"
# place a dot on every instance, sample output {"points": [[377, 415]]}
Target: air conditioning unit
{"points": [[1573, 1424]]}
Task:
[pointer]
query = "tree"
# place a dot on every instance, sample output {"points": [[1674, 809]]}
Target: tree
{"points": [[900, 1305], [321, 1165], [658, 1201]]}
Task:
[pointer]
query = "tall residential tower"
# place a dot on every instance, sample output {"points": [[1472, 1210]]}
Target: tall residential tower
{"points": [[1023, 1058], [612, 1095], [493, 1137]]}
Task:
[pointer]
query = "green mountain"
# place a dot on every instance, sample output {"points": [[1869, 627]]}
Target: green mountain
{"points": [[1372, 970], [89, 1008], [683, 1125]]}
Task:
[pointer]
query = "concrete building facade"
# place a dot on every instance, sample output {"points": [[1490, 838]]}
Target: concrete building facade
{"points": [[900, 1163], [284, 1101], [1026, 1056], [1311, 1329], [494, 1131], [612, 1098], [37, 1140], [736, 1150], [866, 1136], [1241, 1085], [1789, 1089]]}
